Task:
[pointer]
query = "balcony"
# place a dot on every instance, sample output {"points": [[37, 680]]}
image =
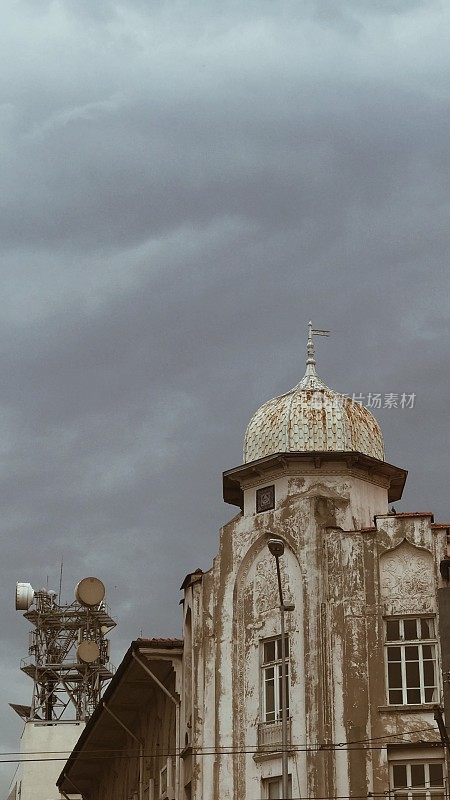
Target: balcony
{"points": [[270, 738]]}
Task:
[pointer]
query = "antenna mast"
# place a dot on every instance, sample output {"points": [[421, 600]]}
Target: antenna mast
{"points": [[68, 650]]}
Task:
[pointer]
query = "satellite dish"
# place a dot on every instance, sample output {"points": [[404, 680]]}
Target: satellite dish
{"points": [[88, 651], [24, 596], [90, 592]]}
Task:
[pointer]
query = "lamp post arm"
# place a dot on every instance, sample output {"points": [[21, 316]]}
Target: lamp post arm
{"points": [[284, 718], [280, 588]]}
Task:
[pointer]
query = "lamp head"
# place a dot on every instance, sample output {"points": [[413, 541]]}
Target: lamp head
{"points": [[276, 547]]}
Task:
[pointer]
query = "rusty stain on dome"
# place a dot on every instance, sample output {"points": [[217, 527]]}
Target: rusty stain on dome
{"points": [[312, 418]]}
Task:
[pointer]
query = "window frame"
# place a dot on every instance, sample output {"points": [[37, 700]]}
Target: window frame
{"points": [[402, 643], [410, 792], [275, 780], [276, 666]]}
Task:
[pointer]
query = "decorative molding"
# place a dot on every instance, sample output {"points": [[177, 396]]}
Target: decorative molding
{"points": [[265, 586], [290, 472], [421, 605], [407, 580]]}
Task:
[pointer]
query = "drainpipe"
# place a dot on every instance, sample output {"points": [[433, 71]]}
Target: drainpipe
{"points": [[442, 729], [177, 720], [141, 748]]}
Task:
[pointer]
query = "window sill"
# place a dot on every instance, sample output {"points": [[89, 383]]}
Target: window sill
{"points": [[271, 754], [411, 709]]}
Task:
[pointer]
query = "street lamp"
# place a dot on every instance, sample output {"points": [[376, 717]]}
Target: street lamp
{"points": [[276, 547]]}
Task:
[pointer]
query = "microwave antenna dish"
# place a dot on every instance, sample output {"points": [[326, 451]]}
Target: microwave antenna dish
{"points": [[24, 596], [90, 592]]}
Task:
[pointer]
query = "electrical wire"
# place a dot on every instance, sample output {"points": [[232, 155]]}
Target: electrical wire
{"points": [[255, 749], [106, 755], [388, 793]]}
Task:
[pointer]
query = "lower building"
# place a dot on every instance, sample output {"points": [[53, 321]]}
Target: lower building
{"points": [[127, 749], [42, 746]]}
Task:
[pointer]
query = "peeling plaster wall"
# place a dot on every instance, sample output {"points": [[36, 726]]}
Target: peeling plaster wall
{"points": [[393, 570], [353, 500], [331, 570]]}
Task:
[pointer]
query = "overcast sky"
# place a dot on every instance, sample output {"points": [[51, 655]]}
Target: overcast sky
{"points": [[183, 185]]}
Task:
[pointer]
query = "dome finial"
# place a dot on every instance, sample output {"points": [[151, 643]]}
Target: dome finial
{"points": [[310, 373], [311, 354]]}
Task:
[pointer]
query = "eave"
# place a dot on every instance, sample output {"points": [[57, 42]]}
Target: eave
{"points": [[234, 478], [102, 738]]}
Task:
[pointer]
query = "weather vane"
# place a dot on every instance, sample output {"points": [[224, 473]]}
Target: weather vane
{"points": [[317, 331], [310, 349]]}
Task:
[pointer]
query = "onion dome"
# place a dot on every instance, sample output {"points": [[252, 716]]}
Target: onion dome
{"points": [[312, 418]]}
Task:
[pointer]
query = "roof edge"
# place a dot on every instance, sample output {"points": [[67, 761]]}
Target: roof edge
{"points": [[137, 645], [233, 478]]}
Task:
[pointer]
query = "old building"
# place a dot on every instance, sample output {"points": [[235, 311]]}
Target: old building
{"points": [[124, 749], [363, 650]]}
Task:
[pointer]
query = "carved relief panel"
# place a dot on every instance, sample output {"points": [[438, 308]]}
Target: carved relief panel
{"points": [[265, 586], [407, 580]]}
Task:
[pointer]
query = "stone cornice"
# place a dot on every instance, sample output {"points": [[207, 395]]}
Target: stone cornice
{"points": [[355, 464], [292, 472]]}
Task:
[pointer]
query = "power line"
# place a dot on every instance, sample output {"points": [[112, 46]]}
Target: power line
{"points": [[387, 736], [107, 754], [304, 747], [386, 794]]}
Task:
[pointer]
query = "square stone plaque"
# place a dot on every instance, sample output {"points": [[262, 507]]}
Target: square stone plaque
{"points": [[265, 498]]}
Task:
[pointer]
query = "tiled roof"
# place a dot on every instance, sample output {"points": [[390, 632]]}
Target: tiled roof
{"points": [[161, 643], [312, 418], [192, 577], [414, 514]]}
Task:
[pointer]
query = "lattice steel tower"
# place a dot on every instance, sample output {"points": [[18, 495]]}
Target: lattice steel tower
{"points": [[68, 651]]}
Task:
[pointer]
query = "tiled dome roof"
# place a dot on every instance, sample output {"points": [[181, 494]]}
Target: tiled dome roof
{"points": [[312, 418]]}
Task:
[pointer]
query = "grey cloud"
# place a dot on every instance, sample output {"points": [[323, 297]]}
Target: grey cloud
{"points": [[115, 164], [183, 187]]}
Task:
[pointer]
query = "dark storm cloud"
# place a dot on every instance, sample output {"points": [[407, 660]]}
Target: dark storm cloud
{"points": [[183, 187], [117, 160]]}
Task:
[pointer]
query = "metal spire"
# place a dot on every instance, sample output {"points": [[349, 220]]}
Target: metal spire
{"points": [[310, 352], [311, 376]]}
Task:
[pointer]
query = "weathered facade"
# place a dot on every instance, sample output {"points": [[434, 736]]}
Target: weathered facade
{"points": [[364, 656]]}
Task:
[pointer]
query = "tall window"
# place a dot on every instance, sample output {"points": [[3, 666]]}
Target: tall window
{"points": [[273, 788], [411, 661], [417, 780], [271, 679]]}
